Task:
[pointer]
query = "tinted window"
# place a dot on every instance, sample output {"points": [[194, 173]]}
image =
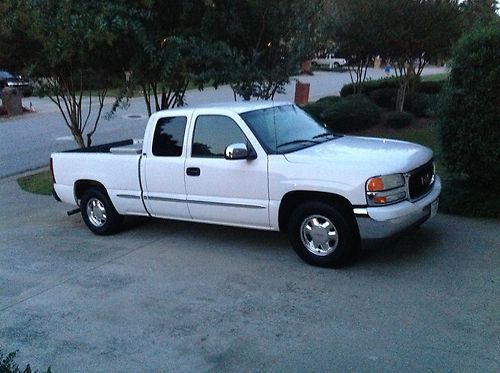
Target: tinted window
{"points": [[169, 136], [213, 133]]}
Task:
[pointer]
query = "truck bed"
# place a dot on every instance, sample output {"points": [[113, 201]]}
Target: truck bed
{"points": [[129, 146]]}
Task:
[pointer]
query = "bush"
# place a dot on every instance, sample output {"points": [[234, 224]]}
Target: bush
{"points": [[470, 112], [316, 109], [430, 87], [384, 97], [397, 120], [352, 114], [417, 103], [369, 86]]}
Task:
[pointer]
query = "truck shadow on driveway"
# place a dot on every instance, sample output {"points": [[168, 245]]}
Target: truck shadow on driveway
{"points": [[413, 245]]}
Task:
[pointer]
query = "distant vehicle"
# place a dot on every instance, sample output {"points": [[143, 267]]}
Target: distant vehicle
{"points": [[329, 59], [8, 79]]}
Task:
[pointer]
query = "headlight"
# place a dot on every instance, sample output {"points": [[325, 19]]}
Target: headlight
{"points": [[384, 190]]}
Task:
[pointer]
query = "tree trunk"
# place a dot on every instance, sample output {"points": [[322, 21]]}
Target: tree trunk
{"points": [[400, 98]]}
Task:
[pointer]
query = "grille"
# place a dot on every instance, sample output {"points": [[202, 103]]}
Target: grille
{"points": [[420, 180]]}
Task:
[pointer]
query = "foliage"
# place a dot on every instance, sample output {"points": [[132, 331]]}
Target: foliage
{"points": [[384, 97], [406, 33], [168, 52], [470, 108], [412, 32], [71, 54], [353, 26], [477, 12], [398, 119], [269, 39], [316, 109], [430, 86], [8, 365], [369, 86], [38, 183], [417, 103], [460, 197], [352, 114]]}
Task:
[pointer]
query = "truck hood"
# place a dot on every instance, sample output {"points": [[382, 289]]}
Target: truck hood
{"points": [[373, 156]]}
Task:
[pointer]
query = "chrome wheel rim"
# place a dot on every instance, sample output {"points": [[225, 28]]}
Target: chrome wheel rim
{"points": [[96, 212], [319, 235]]}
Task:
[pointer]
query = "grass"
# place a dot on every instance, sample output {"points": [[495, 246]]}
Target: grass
{"points": [[434, 77], [38, 183]]}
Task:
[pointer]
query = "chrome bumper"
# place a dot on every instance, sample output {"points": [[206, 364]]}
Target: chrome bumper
{"points": [[383, 222]]}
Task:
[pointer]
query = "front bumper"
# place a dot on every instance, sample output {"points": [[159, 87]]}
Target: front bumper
{"points": [[386, 221]]}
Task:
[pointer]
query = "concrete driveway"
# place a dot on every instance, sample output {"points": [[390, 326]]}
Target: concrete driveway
{"points": [[171, 296]]}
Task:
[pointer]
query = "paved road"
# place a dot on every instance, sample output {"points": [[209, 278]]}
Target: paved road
{"points": [[26, 142], [172, 296]]}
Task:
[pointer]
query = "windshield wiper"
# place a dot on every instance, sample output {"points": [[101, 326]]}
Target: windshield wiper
{"points": [[295, 142], [325, 135]]}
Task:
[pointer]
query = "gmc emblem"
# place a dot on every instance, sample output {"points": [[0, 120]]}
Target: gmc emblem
{"points": [[426, 179]]}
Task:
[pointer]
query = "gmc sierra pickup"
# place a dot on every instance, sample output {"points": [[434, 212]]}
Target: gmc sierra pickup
{"points": [[262, 165]]}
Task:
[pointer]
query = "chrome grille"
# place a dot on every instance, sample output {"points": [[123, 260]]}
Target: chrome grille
{"points": [[420, 180]]}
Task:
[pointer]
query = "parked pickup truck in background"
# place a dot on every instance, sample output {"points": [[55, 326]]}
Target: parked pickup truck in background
{"points": [[328, 59], [259, 165]]}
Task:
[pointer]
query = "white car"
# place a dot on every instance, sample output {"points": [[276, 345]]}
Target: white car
{"points": [[261, 165], [330, 60]]}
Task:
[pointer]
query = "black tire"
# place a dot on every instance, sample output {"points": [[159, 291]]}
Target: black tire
{"points": [[98, 212], [336, 65], [315, 222]]}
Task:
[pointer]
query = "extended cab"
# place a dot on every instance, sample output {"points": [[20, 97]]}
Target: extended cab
{"points": [[260, 165]]}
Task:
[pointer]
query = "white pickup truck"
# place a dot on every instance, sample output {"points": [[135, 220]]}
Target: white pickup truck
{"points": [[259, 165]]}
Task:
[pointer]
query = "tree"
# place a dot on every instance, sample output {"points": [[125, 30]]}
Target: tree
{"points": [[169, 52], [470, 108], [269, 40], [474, 12], [411, 33], [74, 61], [408, 33], [354, 30]]}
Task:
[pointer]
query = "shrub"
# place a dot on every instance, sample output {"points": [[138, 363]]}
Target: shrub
{"points": [[384, 97], [469, 113], [430, 87], [369, 86], [352, 114], [316, 109], [397, 119], [417, 103]]}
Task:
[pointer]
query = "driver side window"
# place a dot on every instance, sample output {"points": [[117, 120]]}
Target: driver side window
{"points": [[213, 133]]}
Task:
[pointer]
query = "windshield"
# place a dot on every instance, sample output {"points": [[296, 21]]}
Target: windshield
{"points": [[6, 75], [286, 128]]}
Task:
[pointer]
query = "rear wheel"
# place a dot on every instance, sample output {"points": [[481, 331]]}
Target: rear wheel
{"points": [[98, 212], [322, 235]]}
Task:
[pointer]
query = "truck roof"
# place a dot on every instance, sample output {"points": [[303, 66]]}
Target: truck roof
{"points": [[234, 106]]}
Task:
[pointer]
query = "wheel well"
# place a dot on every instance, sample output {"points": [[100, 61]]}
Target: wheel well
{"points": [[291, 200], [81, 186]]}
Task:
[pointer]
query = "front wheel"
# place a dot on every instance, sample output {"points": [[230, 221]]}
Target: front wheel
{"points": [[98, 212], [322, 235]]}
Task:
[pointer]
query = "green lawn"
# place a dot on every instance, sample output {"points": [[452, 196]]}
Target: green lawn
{"points": [[39, 183]]}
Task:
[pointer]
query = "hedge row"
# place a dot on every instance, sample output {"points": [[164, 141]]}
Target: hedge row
{"points": [[427, 87], [345, 114]]}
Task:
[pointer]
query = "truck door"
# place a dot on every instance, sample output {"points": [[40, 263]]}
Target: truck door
{"points": [[225, 191], [163, 170]]}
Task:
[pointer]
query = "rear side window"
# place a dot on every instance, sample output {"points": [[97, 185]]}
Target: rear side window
{"points": [[169, 136], [213, 133]]}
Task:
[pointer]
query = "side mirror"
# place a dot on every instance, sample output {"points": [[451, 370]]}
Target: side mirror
{"points": [[237, 151]]}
